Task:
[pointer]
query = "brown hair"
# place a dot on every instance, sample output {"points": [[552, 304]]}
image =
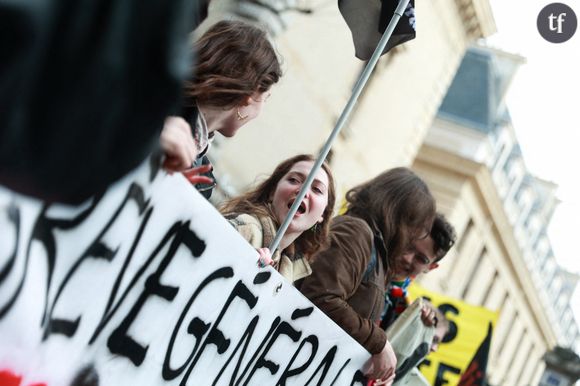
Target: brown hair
{"points": [[398, 203], [256, 202], [234, 60], [443, 235]]}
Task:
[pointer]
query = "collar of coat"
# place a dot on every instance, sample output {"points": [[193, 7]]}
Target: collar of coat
{"points": [[269, 231], [378, 238]]}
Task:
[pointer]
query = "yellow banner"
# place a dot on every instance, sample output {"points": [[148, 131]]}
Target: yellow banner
{"points": [[468, 329]]}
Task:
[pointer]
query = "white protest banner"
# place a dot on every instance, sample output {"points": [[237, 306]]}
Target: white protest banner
{"points": [[149, 285]]}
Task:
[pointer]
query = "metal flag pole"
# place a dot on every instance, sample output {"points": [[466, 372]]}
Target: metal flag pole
{"points": [[360, 84]]}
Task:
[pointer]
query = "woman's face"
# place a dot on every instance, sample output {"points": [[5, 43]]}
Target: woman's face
{"points": [[312, 208], [247, 111]]}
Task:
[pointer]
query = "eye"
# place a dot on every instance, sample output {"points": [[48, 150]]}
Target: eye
{"points": [[423, 259], [317, 190], [293, 180]]}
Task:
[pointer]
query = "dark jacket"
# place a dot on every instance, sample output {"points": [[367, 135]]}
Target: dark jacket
{"points": [[345, 284], [84, 89], [190, 113]]}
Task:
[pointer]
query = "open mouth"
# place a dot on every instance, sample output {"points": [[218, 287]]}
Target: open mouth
{"points": [[301, 208], [403, 270]]}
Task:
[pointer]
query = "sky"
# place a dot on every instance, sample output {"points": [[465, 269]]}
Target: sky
{"points": [[544, 102]]}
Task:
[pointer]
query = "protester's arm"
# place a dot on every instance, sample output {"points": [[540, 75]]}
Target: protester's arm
{"points": [[382, 365], [178, 144], [336, 274], [179, 149]]}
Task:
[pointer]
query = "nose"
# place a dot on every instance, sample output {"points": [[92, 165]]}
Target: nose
{"points": [[409, 257]]}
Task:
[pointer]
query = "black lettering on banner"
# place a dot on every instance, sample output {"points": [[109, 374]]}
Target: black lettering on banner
{"points": [[273, 327], [324, 365], [119, 342], [215, 335], [260, 278], [426, 362], [86, 376], [46, 231], [283, 329], [42, 231], [14, 217], [302, 312], [441, 370], [452, 333], [311, 339], [96, 250], [196, 327], [245, 340], [358, 377], [111, 309], [288, 372]]}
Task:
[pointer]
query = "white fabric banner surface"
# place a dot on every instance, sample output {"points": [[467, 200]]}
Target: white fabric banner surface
{"points": [[149, 285]]}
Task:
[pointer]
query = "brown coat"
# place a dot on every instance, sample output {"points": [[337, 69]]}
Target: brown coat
{"points": [[342, 286]]}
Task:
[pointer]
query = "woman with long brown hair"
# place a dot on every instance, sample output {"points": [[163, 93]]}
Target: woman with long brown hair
{"points": [[349, 277], [258, 214], [235, 70]]}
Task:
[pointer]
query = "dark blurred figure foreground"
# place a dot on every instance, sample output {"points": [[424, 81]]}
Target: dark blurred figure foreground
{"points": [[85, 86]]}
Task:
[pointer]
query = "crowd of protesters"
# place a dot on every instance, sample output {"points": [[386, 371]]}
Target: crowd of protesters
{"points": [[356, 266]]}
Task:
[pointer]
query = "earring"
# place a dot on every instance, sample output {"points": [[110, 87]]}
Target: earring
{"points": [[240, 116], [314, 227]]}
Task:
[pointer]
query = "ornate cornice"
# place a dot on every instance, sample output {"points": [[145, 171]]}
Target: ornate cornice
{"points": [[477, 18]]}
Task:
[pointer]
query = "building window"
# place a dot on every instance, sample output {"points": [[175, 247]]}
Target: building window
{"points": [[508, 323], [461, 242], [489, 288], [474, 270], [498, 155], [521, 374]]}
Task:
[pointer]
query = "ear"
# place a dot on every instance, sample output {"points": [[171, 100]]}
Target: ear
{"points": [[246, 101]]}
